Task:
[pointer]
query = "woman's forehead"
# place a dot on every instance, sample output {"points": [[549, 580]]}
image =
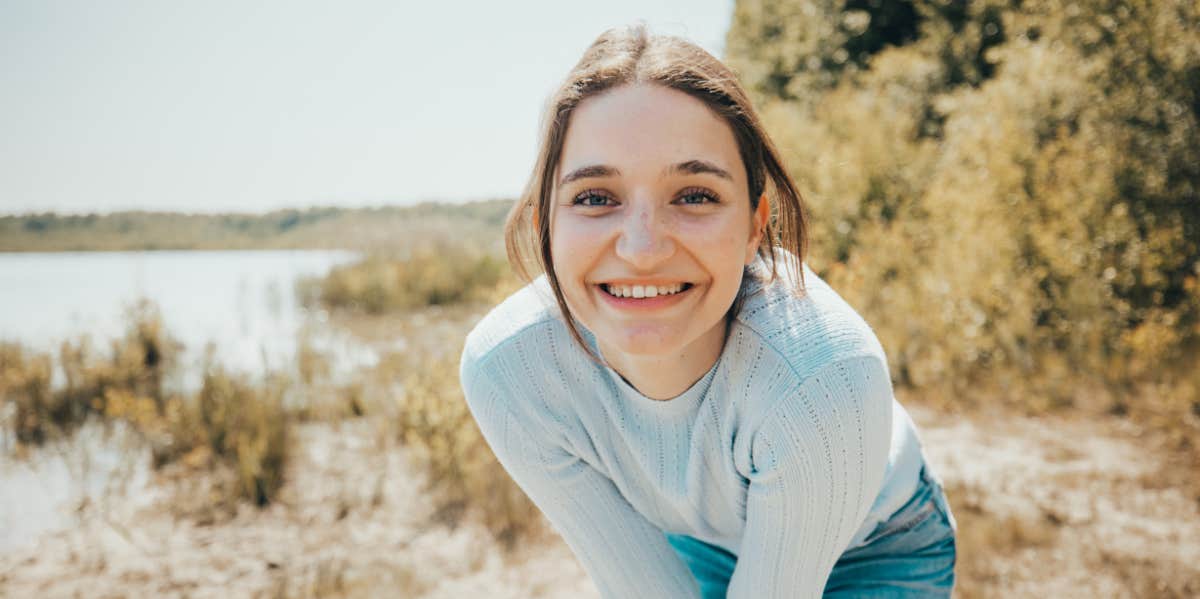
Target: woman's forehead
{"points": [[645, 129]]}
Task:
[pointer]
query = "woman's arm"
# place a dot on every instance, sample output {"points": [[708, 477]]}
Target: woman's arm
{"points": [[625, 555], [819, 460]]}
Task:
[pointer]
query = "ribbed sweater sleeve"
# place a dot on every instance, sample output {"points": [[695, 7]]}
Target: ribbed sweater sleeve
{"points": [[624, 554], [819, 459]]}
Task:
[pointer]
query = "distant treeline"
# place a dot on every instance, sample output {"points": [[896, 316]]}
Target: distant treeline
{"points": [[380, 228]]}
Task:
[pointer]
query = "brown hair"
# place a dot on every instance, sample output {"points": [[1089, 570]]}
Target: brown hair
{"points": [[630, 55]]}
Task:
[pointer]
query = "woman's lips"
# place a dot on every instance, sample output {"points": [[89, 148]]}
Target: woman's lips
{"points": [[645, 303]]}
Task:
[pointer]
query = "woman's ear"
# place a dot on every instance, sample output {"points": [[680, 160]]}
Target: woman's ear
{"points": [[758, 221], [762, 214]]}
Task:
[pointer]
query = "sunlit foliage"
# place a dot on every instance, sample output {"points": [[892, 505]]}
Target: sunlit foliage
{"points": [[1007, 190], [431, 275]]}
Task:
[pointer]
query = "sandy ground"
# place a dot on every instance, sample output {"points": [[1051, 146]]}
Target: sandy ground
{"points": [[1045, 508], [1065, 508]]}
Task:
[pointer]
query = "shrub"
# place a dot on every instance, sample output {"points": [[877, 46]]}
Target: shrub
{"points": [[427, 277], [1006, 190], [133, 372], [233, 424]]}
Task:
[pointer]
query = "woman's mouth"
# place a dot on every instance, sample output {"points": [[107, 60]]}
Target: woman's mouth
{"points": [[643, 291], [644, 296]]}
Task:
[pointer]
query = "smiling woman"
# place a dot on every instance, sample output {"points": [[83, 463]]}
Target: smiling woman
{"points": [[620, 219], [691, 418]]}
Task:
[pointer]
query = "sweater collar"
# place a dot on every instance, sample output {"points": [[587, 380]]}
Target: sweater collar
{"points": [[683, 403]]}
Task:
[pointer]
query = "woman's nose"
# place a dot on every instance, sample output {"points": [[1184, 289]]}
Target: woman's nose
{"points": [[645, 241]]}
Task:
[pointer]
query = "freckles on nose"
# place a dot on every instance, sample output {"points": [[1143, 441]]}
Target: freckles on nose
{"points": [[645, 226], [645, 233]]}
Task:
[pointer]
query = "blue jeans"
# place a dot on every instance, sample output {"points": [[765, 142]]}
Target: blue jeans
{"points": [[912, 554]]}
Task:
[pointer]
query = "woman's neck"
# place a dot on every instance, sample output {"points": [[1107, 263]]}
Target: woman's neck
{"points": [[664, 377]]}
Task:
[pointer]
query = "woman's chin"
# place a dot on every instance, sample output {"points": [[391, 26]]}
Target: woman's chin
{"points": [[646, 343]]}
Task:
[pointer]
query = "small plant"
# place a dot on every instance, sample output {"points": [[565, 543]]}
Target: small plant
{"points": [[234, 424], [32, 411], [136, 367]]}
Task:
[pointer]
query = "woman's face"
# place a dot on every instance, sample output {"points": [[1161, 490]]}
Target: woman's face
{"points": [[650, 201]]}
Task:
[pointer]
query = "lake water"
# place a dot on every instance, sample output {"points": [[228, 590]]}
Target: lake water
{"points": [[242, 301]]}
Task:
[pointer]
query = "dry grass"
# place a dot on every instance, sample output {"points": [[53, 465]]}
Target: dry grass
{"points": [[416, 392], [466, 481], [234, 424], [988, 541], [231, 425], [128, 380], [1064, 505], [998, 550], [442, 274]]}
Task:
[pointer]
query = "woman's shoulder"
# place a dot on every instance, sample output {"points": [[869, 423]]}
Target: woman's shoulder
{"points": [[808, 328], [520, 314]]}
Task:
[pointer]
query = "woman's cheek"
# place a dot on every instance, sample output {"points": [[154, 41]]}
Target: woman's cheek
{"points": [[713, 236], [727, 251], [579, 234], [574, 244]]}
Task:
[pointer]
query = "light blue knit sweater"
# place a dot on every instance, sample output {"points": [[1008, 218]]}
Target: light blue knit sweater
{"points": [[788, 452]]}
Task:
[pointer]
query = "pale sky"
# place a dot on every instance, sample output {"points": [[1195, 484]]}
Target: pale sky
{"points": [[252, 106]]}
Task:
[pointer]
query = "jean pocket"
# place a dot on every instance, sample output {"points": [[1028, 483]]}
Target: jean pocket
{"points": [[917, 510]]}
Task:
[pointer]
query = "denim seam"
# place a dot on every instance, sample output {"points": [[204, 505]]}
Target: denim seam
{"points": [[940, 500]]}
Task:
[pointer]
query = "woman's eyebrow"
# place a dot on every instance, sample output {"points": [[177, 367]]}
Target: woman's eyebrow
{"points": [[687, 167]]}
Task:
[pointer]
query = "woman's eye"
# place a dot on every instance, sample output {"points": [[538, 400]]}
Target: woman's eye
{"points": [[697, 197], [589, 198], [693, 197]]}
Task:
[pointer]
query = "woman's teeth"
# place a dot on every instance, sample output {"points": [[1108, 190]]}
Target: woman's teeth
{"points": [[642, 291]]}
